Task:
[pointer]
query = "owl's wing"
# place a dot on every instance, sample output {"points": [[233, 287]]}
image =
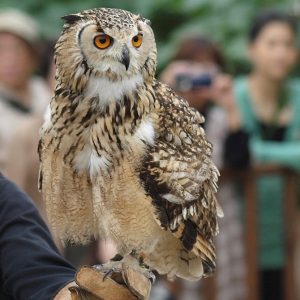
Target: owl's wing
{"points": [[180, 177]]}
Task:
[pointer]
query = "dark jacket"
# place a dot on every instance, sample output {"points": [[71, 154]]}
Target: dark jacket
{"points": [[30, 266]]}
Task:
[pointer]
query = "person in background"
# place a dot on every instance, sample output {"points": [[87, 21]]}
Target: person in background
{"points": [[259, 123], [21, 94], [22, 159], [192, 71]]}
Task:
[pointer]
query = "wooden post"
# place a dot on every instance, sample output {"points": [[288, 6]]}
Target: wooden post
{"points": [[248, 179], [290, 213], [251, 237], [210, 288]]}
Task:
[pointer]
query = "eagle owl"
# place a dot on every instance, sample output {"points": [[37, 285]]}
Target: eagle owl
{"points": [[122, 156]]}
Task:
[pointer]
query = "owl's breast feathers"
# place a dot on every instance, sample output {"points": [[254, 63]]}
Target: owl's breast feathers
{"points": [[180, 177]]}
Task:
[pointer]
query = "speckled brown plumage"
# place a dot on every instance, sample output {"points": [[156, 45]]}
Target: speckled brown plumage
{"points": [[122, 156]]}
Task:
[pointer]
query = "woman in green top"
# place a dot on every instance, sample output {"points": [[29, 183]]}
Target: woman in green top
{"points": [[263, 126]]}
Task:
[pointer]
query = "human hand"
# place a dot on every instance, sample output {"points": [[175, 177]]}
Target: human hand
{"points": [[223, 95], [222, 91]]}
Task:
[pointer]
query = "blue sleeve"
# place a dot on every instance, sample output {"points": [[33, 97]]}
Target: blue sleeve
{"points": [[283, 153], [30, 266]]}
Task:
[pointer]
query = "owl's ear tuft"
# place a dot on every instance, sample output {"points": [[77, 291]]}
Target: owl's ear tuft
{"points": [[148, 22], [71, 19]]}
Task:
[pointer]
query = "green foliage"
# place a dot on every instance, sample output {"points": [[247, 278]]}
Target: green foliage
{"points": [[224, 21]]}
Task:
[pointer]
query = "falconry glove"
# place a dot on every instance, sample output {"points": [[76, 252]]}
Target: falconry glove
{"points": [[92, 284]]}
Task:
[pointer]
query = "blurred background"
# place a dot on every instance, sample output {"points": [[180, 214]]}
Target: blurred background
{"points": [[236, 62], [226, 22]]}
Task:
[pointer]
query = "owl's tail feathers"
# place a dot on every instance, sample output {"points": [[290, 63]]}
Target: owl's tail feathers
{"points": [[188, 269], [170, 258], [191, 239], [195, 268], [205, 250]]}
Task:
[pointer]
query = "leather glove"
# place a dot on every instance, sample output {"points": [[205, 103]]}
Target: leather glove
{"points": [[91, 284]]}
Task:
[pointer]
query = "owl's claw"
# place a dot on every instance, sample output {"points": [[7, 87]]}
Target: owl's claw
{"points": [[109, 272], [151, 276], [107, 269]]}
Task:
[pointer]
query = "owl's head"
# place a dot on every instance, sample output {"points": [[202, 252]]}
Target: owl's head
{"points": [[105, 43]]}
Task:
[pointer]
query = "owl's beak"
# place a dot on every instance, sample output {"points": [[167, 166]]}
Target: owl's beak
{"points": [[125, 59]]}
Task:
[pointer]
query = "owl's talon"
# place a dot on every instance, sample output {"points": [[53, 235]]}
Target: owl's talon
{"points": [[108, 269], [109, 272], [98, 267], [151, 276]]}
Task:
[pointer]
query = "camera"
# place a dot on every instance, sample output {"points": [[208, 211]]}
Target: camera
{"points": [[186, 83]]}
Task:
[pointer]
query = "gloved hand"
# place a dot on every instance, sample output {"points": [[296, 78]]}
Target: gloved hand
{"points": [[123, 284]]}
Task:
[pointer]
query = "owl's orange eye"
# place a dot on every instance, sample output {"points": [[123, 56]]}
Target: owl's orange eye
{"points": [[137, 40], [103, 41]]}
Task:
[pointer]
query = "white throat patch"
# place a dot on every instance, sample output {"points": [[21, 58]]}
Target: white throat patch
{"points": [[108, 90]]}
